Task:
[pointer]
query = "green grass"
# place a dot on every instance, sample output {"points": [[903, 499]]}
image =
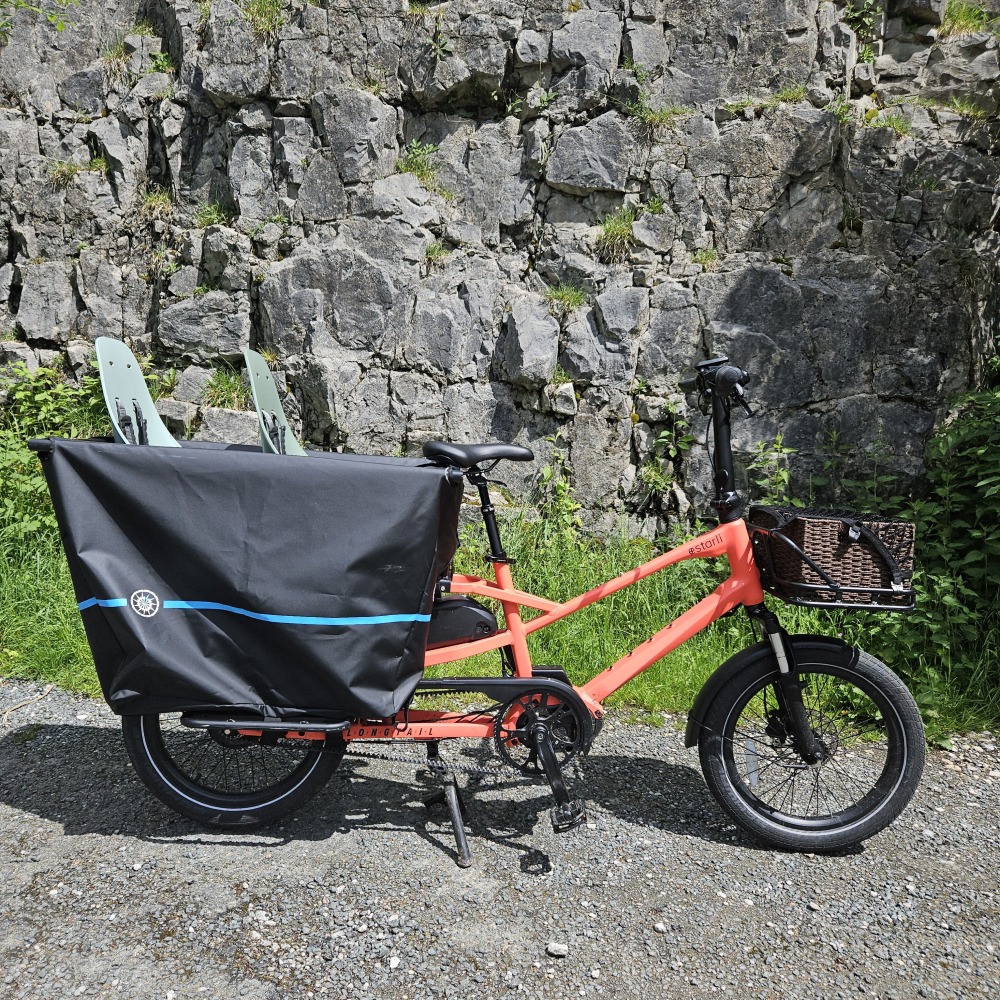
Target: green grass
{"points": [[266, 17], [436, 253], [566, 298], [62, 172], [615, 239], [157, 203], [653, 118], [707, 258], [962, 18], [210, 214], [228, 388], [417, 159], [41, 633]]}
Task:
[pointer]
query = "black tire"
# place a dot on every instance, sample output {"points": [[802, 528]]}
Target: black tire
{"points": [[223, 779], [868, 724]]}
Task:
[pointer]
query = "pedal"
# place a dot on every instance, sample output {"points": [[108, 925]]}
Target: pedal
{"points": [[568, 815]]}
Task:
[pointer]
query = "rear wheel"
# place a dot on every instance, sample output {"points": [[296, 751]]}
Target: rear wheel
{"points": [[219, 777], [871, 750]]}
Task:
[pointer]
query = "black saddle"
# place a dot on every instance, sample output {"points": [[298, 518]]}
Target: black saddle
{"points": [[465, 456]]}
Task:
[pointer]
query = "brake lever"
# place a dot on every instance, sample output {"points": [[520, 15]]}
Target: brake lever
{"points": [[741, 399]]}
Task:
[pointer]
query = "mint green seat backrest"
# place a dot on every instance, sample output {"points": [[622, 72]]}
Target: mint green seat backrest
{"points": [[127, 396], [276, 436]]}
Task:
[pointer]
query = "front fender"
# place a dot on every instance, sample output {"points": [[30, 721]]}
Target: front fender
{"points": [[743, 659]]}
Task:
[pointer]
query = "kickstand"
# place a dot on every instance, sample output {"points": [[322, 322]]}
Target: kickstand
{"points": [[450, 795]]}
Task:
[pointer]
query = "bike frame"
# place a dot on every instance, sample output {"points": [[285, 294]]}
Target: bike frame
{"points": [[742, 586]]}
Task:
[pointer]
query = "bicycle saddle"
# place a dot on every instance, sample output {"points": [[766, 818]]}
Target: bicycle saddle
{"points": [[464, 456]]}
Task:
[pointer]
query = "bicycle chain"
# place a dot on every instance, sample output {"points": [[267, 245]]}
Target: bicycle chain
{"points": [[430, 763]]}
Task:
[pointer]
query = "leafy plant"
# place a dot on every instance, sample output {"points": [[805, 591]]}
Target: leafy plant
{"points": [[841, 109], [864, 16], [967, 108], [54, 12], [887, 119], [707, 257], [162, 63], [768, 472], [417, 11], [99, 165], [439, 42], [615, 239], [547, 98], [866, 53], [566, 298], [792, 93], [639, 71], [417, 160], [510, 102], [655, 205], [228, 388]]}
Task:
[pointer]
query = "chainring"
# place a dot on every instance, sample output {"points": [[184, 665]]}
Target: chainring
{"points": [[567, 728]]}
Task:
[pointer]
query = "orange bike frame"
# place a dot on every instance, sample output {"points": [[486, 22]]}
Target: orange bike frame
{"points": [[741, 587]]}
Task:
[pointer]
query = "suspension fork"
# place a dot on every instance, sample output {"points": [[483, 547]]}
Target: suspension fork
{"points": [[789, 687]]}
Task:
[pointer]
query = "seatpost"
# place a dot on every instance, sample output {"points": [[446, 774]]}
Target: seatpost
{"points": [[478, 479]]}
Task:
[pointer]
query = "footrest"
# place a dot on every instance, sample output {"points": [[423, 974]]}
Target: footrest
{"points": [[569, 815]]}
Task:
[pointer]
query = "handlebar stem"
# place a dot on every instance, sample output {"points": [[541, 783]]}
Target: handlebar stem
{"points": [[726, 502]]}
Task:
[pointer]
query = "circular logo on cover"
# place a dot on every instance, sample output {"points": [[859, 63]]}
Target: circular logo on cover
{"points": [[144, 603]]}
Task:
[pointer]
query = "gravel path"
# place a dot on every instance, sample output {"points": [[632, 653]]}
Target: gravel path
{"points": [[108, 894]]}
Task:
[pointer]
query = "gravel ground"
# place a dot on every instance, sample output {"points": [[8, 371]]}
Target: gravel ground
{"points": [[106, 893]]}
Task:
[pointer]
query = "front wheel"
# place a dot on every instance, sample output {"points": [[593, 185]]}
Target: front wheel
{"points": [[871, 740], [222, 778]]}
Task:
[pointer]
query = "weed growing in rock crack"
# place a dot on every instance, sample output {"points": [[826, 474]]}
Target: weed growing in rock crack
{"points": [[616, 239], [417, 11], [863, 16], [566, 298], [439, 42], [114, 60], [560, 376], [866, 54], [270, 356], [895, 120], [967, 108], [157, 204], [509, 101], [639, 71], [162, 63], [786, 95], [210, 214], [142, 28], [266, 17], [841, 110], [416, 160], [655, 205], [707, 258], [436, 253], [653, 118], [546, 99], [962, 18], [204, 13], [62, 172], [228, 388], [99, 165]]}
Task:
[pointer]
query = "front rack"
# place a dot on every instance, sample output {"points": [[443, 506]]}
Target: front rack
{"points": [[859, 562]]}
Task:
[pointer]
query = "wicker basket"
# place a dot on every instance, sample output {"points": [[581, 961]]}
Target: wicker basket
{"points": [[819, 559]]}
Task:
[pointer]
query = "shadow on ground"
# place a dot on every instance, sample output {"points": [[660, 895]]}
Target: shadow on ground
{"points": [[81, 778]]}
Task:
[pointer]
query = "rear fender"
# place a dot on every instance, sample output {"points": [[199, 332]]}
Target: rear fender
{"points": [[746, 658]]}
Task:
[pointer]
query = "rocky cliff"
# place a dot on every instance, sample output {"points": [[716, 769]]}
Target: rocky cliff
{"points": [[514, 220]]}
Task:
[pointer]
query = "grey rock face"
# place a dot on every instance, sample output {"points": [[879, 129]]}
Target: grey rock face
{"points": [[530, 343], [850, 263], [236, 65], [595, 157]]}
